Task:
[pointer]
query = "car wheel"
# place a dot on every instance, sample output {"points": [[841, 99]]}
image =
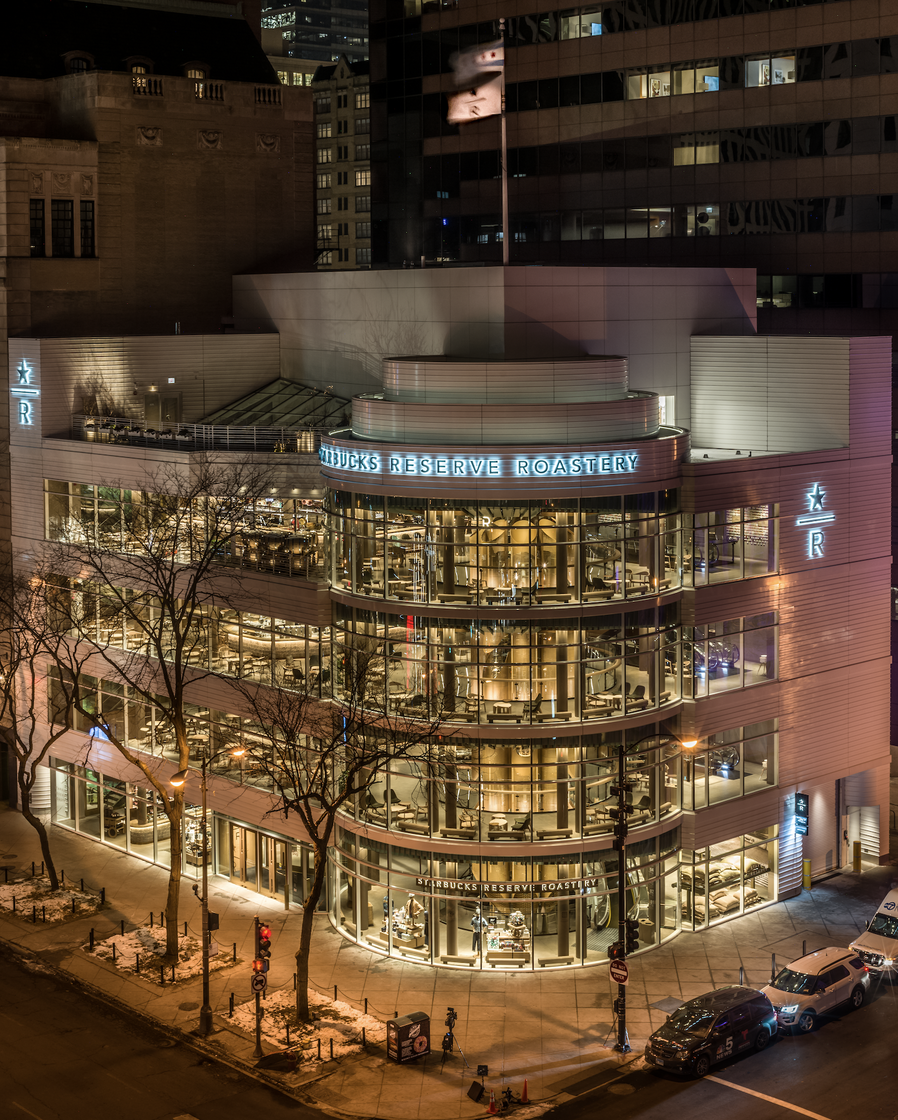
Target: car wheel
{"points": [[702, 1066], [762, 1038], [857, 996], [806, 1022]]}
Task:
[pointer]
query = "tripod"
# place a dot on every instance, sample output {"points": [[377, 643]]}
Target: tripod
{"points": [[449, 1039]]}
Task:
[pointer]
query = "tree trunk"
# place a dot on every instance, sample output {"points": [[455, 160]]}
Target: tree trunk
{"points": [[309, 906], [38, 825], [174, 882]]}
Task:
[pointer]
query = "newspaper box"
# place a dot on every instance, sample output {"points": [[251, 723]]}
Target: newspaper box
{"points": [[408, 1037]]}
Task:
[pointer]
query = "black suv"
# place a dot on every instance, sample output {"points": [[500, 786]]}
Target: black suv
{"points": [[712, 1028]]}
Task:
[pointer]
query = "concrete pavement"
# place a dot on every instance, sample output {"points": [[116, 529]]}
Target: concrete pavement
{"points": [[553, 1028]]}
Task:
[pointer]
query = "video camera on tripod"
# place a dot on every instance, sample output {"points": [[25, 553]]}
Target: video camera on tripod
{"points": [[451, 1017]]}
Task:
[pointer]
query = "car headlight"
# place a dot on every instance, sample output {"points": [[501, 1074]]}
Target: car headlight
{"points": [[790, 1010]]}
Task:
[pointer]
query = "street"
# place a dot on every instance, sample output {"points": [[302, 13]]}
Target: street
{"points": [[66, 1057], [844, 1068]]}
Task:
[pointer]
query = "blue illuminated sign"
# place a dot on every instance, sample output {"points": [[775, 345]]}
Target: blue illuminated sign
{"points": [[25, 392], [814, 520], [802, 812], [468, 466]]}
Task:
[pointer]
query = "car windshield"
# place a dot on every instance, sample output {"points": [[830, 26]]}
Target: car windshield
{"points": [[885, 926], [797, 982], [692, 1020]]}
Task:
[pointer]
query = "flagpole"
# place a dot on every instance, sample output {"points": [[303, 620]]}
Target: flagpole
{"points": [[504, 155]]}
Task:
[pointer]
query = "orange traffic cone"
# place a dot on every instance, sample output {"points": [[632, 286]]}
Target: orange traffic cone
{"points": [[524, 1098], [492, 1110]]}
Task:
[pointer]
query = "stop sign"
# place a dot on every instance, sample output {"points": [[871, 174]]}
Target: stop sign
{"points": [[619, 972]]}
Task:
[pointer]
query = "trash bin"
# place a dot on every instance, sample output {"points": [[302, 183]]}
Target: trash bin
{"points": [[646, 931], [408, 1037]]}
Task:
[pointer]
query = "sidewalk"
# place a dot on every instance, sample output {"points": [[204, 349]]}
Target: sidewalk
{"points": [[553, 1028]]}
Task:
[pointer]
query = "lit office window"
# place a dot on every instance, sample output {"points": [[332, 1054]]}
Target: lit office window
{"points": [[363, 178]]}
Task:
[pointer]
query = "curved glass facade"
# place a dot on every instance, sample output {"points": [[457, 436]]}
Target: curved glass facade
{"points": [[517, 670], [453, 551]]}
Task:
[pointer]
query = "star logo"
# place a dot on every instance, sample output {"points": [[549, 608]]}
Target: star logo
{"points": [[24, 372], [815, 497]]}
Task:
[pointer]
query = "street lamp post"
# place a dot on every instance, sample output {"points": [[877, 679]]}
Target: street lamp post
{"points": [[620, 833], [178, 780]]}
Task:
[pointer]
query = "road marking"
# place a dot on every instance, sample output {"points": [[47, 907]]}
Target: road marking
{"points": [[771, 1100], [24, 1109]]}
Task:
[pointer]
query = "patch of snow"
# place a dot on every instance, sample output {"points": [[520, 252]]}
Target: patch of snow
{"points": [[149, 944], [338, 1022], [55, 906]]}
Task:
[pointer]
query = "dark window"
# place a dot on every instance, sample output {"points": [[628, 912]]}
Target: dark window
{"points": [[62, 231], [888, 55], [569, 90], [809, 64], [591, 89], [548, 93], [528, 96], [612, 85], [810, 139], [864, 57], [732, 72], [87, 228], [837, 60], [38, 231]]}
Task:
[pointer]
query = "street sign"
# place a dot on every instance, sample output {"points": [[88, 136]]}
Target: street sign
{"points": [[619, 972], [259, 982]]}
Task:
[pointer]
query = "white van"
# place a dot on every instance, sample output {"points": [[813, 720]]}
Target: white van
{"points": [[878, 946]]}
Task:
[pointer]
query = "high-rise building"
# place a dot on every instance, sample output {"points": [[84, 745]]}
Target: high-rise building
{"points": [[298, 36], [343, 165], [721, 132]]}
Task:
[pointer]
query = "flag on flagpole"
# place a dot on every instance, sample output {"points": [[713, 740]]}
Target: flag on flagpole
{"points": [[475, 103], [478, 77], [477, 63]]}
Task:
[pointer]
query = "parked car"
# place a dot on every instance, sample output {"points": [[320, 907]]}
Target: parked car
{"points": [[712, 1028], [878, 945], [815, 984]]}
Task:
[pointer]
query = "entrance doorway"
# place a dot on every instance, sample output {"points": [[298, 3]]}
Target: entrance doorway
{"points": [[259, 862]]}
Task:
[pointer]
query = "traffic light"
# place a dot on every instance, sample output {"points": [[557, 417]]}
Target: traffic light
{"points": [[632, 935], [620, 834], [620, 812], [615, 950], [263, 946]]}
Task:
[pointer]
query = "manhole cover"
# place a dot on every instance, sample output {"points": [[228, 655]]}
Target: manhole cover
{"points": [[188, 1006], [621, 1090]]}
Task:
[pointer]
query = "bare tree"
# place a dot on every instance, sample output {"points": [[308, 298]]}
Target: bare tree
{"points": [[29, 635], [320, 758], [142, 588]]}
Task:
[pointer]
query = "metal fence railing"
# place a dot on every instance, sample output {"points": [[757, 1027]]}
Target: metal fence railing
{"points": [[197, 437]]}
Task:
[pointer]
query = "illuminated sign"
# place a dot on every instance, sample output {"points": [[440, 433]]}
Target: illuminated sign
{"points": [[802, 809], [814, 520], [469, 466], [25, 392]]}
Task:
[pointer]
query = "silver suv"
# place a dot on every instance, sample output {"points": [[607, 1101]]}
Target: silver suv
{"points": [[815, 984]]}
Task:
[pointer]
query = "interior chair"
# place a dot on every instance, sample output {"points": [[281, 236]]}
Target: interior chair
{"points": [[532, 707], [637, 698]]}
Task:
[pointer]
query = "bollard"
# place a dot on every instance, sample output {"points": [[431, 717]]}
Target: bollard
{"points": [[288, 1033], [335, 993], [162, 918], [332, 1049], [366, 1005], [73, 906], [34, 914], [741, 974], [91, 940], [319, 1049], [32, 869], [43, 913], [173, 974], [113, 952], [235, 952], [231, 1006], [82, 884], [102, 896], [162, 974], [138, 962], [123, 927], [62, 877], [42, 867], [151, 919], [14, 904], [772, 967], [294, 981], [185, 929], [364, 1041]]}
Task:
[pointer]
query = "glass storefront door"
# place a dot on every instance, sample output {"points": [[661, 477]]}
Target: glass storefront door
{"points": [[258, 862]]}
